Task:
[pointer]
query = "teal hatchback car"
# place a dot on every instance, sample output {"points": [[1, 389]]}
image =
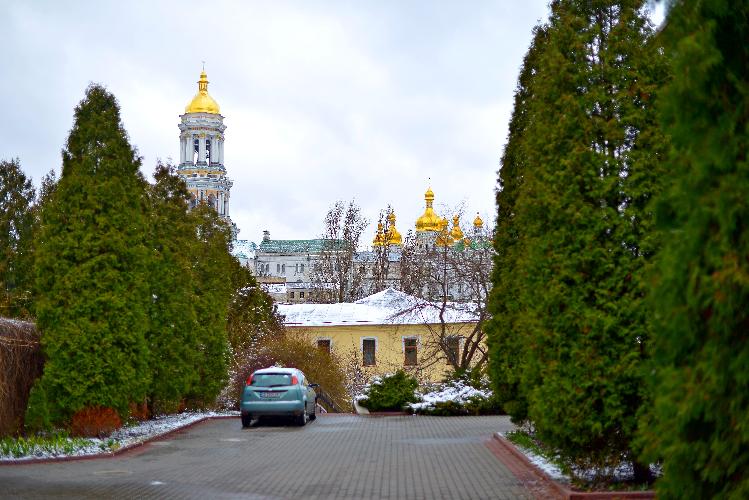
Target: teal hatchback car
{"points": [[278, 392]]}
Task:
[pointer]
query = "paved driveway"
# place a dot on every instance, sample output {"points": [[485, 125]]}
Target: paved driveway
{"points": [[333, 457]]}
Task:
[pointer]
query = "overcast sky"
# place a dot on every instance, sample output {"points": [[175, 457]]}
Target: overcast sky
{"points": [[322, 100]]}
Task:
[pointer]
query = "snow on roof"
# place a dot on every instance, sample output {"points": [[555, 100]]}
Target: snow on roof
{"points": [[277, 369], [388, 307], [244, 248], [274, 287]]}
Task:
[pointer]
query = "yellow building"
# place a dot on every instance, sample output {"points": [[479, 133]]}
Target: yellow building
{"points": [[387, 331]]}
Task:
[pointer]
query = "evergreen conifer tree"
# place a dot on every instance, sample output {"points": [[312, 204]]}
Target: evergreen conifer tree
{"points": [[251, 311], [16, 224], [92, 306], [212, 265], [173, 322], [699, 424], [505, 337], [592, 162]]}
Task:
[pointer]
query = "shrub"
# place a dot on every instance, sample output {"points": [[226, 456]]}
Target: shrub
{"points": [[139, 411], [21, 363], [458, 398], [37, 415], [295, 351], [95, 421], [392, 392]]}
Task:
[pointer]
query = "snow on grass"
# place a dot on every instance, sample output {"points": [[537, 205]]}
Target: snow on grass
{"points": [[57, 446], [545, 464], [551, 464], [458, 392]]}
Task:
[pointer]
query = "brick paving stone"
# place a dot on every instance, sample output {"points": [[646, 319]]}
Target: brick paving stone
{"points": [[336, 456]]}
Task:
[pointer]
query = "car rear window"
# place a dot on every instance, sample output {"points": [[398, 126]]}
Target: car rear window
{"points": [[271, 379]]}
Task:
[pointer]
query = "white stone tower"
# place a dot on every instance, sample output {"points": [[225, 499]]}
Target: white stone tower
{"points": [[201, 153]]}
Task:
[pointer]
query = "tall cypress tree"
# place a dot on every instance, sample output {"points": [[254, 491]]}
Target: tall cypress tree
{"points": [[591, 150], [16, 225], [699, 425], [92, 293], [173, 322], [212, 265], [505, 337]]}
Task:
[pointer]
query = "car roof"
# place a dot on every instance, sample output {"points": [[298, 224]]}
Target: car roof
{"points": [[275, 369]]}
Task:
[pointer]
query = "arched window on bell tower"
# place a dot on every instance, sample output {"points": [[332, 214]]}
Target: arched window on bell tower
{"points": [[208, 151], [195, 151]]}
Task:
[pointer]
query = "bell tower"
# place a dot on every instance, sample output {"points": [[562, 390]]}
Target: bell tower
{"points": [[201, 153]]}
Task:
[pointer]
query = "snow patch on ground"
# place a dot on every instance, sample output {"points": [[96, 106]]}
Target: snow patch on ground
{"points": [[129, 435], [458, 392], [622, 473], [542, 463]]}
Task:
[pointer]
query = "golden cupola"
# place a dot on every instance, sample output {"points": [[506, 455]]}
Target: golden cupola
{"points": [[444, 238], [477, 222], [202, 102], [393, 236], [456, 232], [429, 221], [379, 239]]}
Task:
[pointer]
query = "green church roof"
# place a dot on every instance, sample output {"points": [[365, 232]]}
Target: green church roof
{"points": [[298, 246]]}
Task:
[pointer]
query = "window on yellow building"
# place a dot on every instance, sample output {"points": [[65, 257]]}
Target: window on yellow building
{"points": [[410, 350], [323, 345], [368, 351], [452, 349]]}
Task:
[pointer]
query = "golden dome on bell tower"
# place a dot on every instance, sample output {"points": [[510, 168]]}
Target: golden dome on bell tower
{"points": [[477, 222], [429, 221], [202, 102]]}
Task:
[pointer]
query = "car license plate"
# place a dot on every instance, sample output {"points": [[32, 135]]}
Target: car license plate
{"points": [[270, 394]]}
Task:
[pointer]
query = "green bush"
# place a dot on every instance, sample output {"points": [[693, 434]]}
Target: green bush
{"points": [[392, 392], [475, 406]]}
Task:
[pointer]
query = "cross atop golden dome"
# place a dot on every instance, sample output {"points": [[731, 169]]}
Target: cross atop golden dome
{"points": [[202, 102], [429, 221]]}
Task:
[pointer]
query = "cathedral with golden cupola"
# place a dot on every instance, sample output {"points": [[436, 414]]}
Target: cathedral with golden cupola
{"points": [[201, 153], [432, 230]]}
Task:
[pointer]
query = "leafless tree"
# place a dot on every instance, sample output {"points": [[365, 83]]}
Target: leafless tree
{"points": [[451, 277], [335, 275]]}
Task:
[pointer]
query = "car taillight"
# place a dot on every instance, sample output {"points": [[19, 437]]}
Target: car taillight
{"points": [[294, 380], [249, 380]]}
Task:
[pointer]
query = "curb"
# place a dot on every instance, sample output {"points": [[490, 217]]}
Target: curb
{"points": [[539, 482], [111, 454], [386, 414]]}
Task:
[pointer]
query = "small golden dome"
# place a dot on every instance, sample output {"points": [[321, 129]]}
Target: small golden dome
{"points": [[379, 239], [477, 222], [393, 236], [456, 232], [444, 239], [429, 221], [202, 102]]}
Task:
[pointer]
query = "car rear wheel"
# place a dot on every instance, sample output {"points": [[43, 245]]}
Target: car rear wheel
{"points": [[313, 415], [246, 420]]}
